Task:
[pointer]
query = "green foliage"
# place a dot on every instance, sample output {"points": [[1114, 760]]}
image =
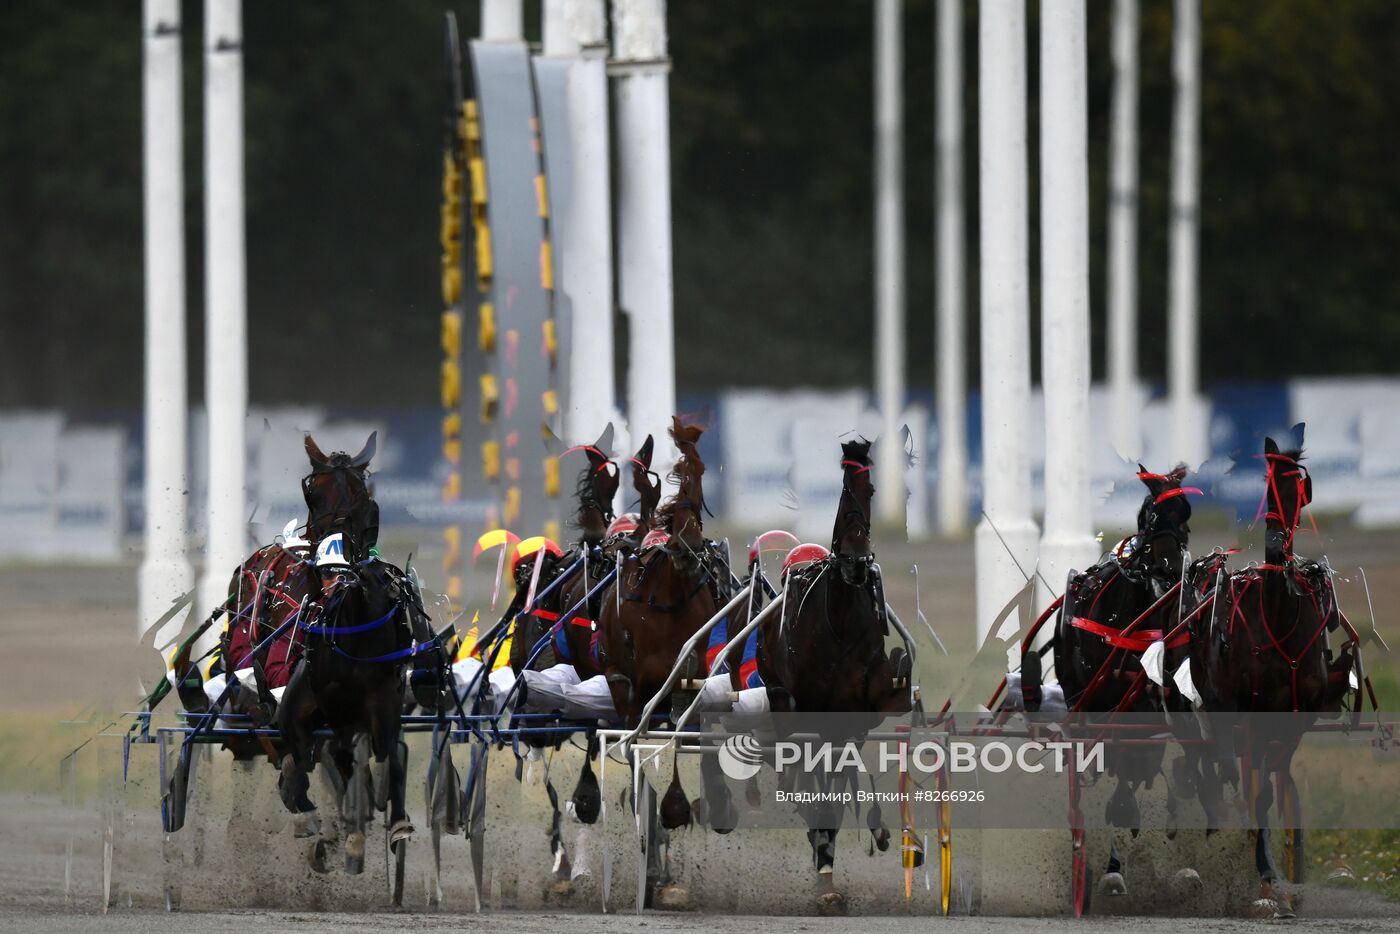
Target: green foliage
{"points": [[772, 169]]}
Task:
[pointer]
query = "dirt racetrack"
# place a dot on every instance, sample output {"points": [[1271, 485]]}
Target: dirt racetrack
{"points": [[70, 662]]}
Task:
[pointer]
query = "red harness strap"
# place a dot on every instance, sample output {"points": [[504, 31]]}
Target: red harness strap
{"points": [[1137, 641]]}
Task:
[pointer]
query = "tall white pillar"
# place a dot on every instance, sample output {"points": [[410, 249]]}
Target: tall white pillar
{"points": [[1006, 537], [1188, 426], [951, 378], [579, 29], [225, 298], [1068, 543], [644, 215], [502, 19], [889, 254], [166, 573], [1125, 398]]}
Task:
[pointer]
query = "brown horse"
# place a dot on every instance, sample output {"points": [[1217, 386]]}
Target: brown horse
{"points": [[1097, 654], [825, 651], [663, 594], [1261, 648]]}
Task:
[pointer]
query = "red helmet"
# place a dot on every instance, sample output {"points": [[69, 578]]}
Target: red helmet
{"points": [[530, 547], [803, 555], [772, 540], [625, 524], [656, 537]]}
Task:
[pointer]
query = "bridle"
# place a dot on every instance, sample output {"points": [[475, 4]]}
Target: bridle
{"points": [[1302, 496], [320, 523], [1156, 523]]}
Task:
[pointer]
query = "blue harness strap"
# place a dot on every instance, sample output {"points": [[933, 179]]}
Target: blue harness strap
{"points": [[348, 630], [390, 657]]}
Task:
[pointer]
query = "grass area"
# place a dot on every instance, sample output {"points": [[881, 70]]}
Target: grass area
{"points": [[1372, 855]]}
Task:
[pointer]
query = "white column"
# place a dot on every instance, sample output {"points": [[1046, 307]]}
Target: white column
{"points": [[1006, 538], [579, 28], [644, 216], [502, 19], [166, 572], [889, 255], [1125, 432], [225, 298], [1068, 543], [1188, 426], [951, 320]]}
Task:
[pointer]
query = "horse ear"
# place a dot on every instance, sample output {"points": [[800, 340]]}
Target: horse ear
{"points": [[605, 440], [644, 452], [314, 453], [596, 457], [1270, 447], [362, 459]]}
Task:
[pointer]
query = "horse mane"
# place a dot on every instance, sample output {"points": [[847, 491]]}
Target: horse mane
{"points": [[687, 466]]}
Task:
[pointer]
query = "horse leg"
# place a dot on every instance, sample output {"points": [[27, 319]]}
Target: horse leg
{"points": [[716, 805], [298, 704], [675, 806], [587, 799], [674, 814], [1271, 903], [1113, 882], [390, 758], [830, 901], [357, 804], [1187, 881], [563, 868]]}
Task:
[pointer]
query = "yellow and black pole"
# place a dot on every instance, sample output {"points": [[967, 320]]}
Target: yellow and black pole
{"points": [[450, 237]]}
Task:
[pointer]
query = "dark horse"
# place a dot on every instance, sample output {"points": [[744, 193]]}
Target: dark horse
{"points": [[1260, 647], [267, 589], [1111, 614], [825, 651], [357, 641]]}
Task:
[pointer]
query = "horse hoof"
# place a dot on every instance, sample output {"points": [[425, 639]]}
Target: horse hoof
{"points": [[1113, 883], [305, 824], [831, 904], [882, 839], [1187, 882], [1263, 908], [400, 831], [672, 897], [1339, 870], [317, 857]]}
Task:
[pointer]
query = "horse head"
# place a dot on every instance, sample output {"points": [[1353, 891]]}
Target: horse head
{"points": [[338, 497], [597, 485], [682, 514], [850, 538], [1288, 488], [1164, 520], [646, 483]]}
